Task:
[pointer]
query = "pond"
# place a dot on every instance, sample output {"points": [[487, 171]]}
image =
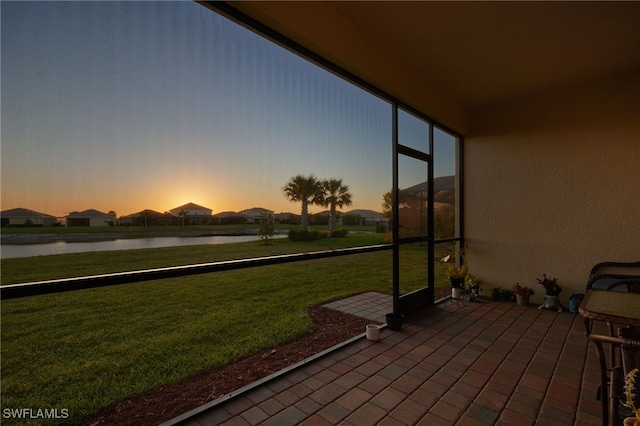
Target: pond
{"points": [[8, 251]]}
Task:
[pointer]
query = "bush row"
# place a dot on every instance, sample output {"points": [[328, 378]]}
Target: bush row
{"points": [[297, 235]]}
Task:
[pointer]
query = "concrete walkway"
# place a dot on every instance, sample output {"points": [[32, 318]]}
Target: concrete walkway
{"points": [[486, 363]]}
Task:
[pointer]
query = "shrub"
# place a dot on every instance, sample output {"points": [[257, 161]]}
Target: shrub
{"points": [[339, 233], [296, 235], [267, 228]]}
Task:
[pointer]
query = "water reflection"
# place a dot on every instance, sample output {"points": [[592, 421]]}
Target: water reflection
{"points": [[8, 251]]}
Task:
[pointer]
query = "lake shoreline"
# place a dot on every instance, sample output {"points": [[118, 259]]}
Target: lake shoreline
{"points": [[20, 239]]}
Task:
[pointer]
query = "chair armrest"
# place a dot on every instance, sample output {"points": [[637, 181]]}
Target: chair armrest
{"points": [[603, 265], [614, 276]]}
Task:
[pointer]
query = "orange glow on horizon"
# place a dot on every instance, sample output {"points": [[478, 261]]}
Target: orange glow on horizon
{"points": [[161, 202]]}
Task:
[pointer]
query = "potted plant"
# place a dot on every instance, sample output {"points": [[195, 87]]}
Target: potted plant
{"points": [[630, 392], [551, 293], [522, 294], [394, 321], [473, 283], [457, 274]]}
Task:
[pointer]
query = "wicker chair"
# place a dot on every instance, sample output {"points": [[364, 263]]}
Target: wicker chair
{"points": [[612, 377], [610, 275], [613, 276]]}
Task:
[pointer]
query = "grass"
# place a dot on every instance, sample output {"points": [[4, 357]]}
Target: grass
{"points": [[87, 349], [38, 268]]}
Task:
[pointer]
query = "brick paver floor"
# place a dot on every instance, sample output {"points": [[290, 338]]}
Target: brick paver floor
{"points": [[489, 363]]}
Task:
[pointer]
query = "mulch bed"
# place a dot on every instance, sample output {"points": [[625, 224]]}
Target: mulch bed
{"points": [[160, 405]]}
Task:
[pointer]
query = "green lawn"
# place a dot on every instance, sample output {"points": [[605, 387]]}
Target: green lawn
{"points": [[86, 349], [38, 268]]}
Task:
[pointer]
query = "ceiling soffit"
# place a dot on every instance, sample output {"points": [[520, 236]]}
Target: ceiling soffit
{"points": [[447, 57]]}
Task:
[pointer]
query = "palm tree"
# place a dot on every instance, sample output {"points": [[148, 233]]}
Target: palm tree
{"points": [[335, 194], [304, 189], [183, 214]]}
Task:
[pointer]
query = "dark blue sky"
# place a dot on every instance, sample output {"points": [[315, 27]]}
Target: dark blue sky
{"points": [[132, 105]]}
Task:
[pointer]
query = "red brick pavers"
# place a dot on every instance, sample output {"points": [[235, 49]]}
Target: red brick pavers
{"points": [[483, 363]]}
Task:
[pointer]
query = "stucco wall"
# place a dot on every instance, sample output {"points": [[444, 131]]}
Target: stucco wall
{"points": [[552, 185]]}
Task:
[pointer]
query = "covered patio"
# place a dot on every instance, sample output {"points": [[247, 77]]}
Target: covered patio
{"points": [[546, 97], [454, 363]]}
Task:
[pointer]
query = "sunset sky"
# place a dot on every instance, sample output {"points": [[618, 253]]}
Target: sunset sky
{"points": [[128, 106]]}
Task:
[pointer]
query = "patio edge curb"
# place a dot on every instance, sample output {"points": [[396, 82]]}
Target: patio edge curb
{"points": [[233, 394]]}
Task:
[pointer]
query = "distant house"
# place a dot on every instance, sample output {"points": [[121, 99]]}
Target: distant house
{"points": [[90, 217], [229, 218], [368, 217], [322, 218], [289, 218], [254, 214], [149, 218], [194, 214], [22, 217]]}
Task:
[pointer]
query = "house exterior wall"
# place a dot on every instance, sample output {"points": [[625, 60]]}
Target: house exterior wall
{"points": [[552, 185], [90, 220], [197, 212], [100, 221], [35, 220], [254, 215], [196, 215]]}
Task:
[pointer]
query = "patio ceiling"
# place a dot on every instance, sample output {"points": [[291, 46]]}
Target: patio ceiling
{"points": [[448, 57]]}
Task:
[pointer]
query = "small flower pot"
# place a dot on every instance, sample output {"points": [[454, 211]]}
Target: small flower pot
{"points": [[456, 282], [455, 292], [394, 321], [522, 300], [373, 332], [551, 302]]}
